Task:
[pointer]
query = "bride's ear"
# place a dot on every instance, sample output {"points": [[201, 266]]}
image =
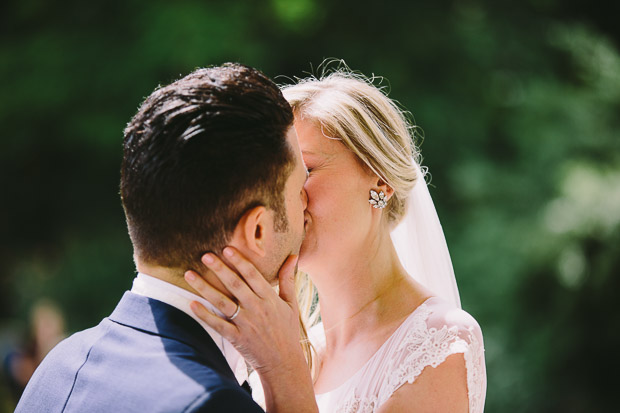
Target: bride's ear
{"points": [[383, 186], [249, 234]]}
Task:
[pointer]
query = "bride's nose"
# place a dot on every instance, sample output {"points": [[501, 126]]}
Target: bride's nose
{"points": [[304, 198]]}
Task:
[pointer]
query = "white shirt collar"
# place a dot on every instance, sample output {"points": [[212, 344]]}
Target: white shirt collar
{"points": [[179, 298]]}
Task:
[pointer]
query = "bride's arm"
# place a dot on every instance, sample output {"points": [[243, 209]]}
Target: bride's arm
{"points": [[265, 330], [438, 390]]}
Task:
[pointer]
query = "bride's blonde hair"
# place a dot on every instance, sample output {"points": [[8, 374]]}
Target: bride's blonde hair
{"points": [[348, 106]]}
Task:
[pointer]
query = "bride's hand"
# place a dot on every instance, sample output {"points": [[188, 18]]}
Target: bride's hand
{"points": [[266, 326], [262, 325]]}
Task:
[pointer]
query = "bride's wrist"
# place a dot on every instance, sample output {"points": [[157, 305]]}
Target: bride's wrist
{"points": [[287, 390], [287, 385], [289, 367]]}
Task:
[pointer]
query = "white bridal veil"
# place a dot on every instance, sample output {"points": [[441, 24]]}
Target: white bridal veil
{"points": [[421, 245]]}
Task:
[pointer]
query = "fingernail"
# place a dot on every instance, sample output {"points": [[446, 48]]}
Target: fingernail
{"points": [[228, 252], [190, 276], [208, 259]]}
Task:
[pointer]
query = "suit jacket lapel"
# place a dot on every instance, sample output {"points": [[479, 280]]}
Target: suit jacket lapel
{"points": [[154, 317]]}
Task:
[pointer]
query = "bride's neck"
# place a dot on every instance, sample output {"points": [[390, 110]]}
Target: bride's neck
{"points": [[358, 291]]}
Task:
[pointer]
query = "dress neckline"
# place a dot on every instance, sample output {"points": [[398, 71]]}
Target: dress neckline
{"points": [[378, 351]]}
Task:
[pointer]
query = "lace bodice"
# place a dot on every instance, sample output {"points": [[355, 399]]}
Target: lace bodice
{"points": [[434, 331], [431, 333]]}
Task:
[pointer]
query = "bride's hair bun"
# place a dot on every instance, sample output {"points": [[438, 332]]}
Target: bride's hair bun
{"points": [[350, 108]]}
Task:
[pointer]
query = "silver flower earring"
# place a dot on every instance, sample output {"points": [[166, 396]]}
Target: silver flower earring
{"points": [[377, 200]]}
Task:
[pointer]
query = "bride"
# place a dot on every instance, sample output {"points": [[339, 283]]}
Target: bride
{"points": [[392, 335]]}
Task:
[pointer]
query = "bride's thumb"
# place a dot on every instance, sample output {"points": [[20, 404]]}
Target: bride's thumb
{"points": [[286, 278]]}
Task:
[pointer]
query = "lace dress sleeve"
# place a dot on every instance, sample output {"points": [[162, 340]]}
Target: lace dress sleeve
{"points": [[428, 340]]}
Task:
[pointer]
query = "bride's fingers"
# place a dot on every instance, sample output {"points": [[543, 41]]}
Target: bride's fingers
{"points": [[223, 327], [248, 271], [211, 294], [286, 278], [231, 280]]}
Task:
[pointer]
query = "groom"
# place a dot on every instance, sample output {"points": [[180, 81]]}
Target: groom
{"points": [[209, 160]]}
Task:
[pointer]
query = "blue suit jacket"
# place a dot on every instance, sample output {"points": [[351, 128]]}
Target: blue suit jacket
{"points": [[146, 357]]}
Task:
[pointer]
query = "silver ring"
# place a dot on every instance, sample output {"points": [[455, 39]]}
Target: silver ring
{"points": [[232, 317]]}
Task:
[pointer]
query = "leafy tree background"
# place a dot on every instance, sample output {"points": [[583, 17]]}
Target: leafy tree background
{"points": [[519, 102]]}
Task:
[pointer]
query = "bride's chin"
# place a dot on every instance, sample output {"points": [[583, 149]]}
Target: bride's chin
{"points": [[309, 253], [305, 256], [308, 260]]}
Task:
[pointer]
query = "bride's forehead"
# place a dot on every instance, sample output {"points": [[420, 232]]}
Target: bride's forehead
{"points": [[333, 151], [316, 142], [321, 145]]}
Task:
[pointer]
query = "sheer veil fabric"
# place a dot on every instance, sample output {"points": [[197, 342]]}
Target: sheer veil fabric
{"points": [[421, 245]]}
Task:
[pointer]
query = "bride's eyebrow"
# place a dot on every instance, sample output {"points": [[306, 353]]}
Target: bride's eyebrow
{"points": [[323, 155]]}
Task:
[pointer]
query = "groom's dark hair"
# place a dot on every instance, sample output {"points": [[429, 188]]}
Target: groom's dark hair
{"points": [[198, 154]]}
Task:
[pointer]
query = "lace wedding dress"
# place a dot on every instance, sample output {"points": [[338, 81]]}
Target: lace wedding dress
{"points": [[431, 333], [434, 331]]}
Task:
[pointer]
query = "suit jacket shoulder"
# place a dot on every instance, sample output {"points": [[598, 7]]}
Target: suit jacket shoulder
{"points": [[147, 356]]}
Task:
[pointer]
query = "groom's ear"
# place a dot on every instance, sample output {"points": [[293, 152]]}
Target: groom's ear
{"points": [[250, 232]]}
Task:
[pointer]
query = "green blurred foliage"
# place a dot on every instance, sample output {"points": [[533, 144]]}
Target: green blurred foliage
{"points": [[519, 102]]}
